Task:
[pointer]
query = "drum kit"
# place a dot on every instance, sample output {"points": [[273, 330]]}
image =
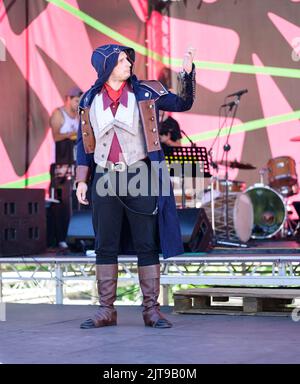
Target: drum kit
{"points": [[259, 211]]}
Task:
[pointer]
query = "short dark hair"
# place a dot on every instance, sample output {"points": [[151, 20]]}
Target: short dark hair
{"points": [[170, 125]]}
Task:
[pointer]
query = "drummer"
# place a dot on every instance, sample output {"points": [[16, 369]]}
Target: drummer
{"points": [[64, 123]]}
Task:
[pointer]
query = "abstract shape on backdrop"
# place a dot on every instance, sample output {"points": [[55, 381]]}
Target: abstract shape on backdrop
{"points": [[140, 8], [16, 13], [13, 117], [290, 32], [271, 106], [124, 21], [60, 78]]}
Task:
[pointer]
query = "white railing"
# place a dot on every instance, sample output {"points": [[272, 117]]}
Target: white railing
{"points": [[196, 269]]}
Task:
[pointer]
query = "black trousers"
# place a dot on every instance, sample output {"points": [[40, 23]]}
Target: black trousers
{"points": [[108, 215]]}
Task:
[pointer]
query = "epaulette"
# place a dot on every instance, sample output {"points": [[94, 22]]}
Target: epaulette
{"points": [[155, 86]]}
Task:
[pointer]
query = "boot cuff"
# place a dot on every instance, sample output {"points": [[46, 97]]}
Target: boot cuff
{"points": [[149, 272], [106, 272]]}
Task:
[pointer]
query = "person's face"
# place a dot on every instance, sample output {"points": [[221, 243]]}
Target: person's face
{"points": [[73, 103], [165, 138], [121, 72]]}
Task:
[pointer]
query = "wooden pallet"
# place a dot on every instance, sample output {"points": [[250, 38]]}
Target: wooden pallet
{"points": [[255, 301]]}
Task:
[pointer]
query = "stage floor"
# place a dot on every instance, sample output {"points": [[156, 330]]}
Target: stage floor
{"points": [[42, 333], [254, 247], [261, 247]]}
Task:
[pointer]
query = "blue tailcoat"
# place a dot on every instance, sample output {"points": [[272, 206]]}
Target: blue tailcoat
{"points": [[169, 228]]}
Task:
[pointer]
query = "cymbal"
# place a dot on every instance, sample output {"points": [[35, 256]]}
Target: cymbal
{"points": [[296, 138], [236, 164]]}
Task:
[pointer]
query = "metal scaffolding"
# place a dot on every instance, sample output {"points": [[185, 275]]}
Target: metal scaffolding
{"points": [[230, 270]]}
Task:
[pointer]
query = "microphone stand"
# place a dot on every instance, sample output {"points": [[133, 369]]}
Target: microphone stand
{"points": [[227, 149], [193, 178], [232, 106], [215, 166]]}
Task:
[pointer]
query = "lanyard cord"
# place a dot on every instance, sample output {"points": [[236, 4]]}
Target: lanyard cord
{"points": [[155, 211]]}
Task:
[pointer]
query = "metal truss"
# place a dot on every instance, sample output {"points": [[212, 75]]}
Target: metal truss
{"points": [[201, 269]]}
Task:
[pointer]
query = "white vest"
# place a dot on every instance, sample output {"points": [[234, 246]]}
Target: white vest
{"points": [[127, 126]]}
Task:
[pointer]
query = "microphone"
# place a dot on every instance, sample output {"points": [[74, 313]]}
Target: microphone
{"points": [[189, 139], [230, 105], [238, 93]]}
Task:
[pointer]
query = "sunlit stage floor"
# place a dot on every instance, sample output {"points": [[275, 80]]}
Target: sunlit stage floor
{"points": [[45, 333]]}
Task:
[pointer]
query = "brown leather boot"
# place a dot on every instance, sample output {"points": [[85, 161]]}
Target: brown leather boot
{"points": [[149, 277], [106, 275]]}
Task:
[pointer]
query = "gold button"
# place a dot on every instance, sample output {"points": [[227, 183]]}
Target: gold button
{"points": [[154, 130], [155, 142], [83, 122], [82, 112], [85, 134], [151, 106], [152, 118]]}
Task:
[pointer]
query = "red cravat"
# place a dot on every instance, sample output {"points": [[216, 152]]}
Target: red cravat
{"points": [[115, 149]]}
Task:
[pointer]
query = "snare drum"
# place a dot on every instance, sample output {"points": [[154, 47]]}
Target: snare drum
{"points": [[269, 211], [234, 186], [288, 190]]}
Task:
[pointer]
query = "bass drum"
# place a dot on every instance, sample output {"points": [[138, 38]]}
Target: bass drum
{"points": [[269, 211]]}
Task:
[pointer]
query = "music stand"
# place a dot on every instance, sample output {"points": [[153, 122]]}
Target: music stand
{"points": [[196, 156]]}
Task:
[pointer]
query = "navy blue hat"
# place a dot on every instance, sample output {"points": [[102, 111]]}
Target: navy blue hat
{"points": [[104, 59]]}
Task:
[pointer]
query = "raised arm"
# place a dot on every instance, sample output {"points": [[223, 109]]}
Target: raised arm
{"points": [[185, 98], [183, 101]]}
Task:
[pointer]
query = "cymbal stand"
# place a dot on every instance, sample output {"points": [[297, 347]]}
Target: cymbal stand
{"points": [[262, 173]]}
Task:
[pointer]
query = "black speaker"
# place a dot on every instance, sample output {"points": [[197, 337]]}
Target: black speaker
{"points": [[196, 230], [22, 222], [80, 226]]}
